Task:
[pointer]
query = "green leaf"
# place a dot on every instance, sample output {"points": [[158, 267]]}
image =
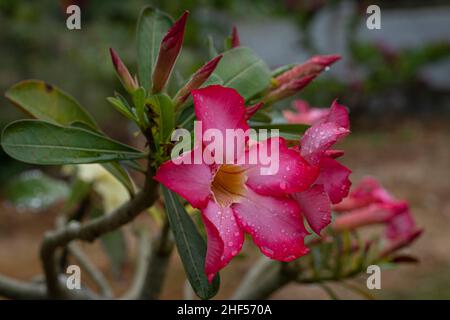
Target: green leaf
{"points": [[122, 108], [46, 102], [41, 142], [33, 190], [261, 116], [113, 167], [282, 69], [134, 165], [212, 51], [190, 245], [163, 106], [240, 68], [139, 103], [151, 28], [121, 175]]}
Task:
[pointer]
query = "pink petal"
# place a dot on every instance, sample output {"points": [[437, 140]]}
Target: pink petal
{"points": [[191, 181], [372, 214], [302, 106], [294, 174], [315, 206], [225, 237], [220, 108], [338, 114], [334, 177], [318, 139], [275, 225], [334, 153], [402, 224]]}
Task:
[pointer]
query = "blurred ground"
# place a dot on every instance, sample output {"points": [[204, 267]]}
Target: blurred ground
{"points": [[411, 159]]}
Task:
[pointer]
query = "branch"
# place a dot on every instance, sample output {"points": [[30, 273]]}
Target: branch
{"points": [[95, 274], [90, 231], [15, 289], [157, 265], [142, 263]]}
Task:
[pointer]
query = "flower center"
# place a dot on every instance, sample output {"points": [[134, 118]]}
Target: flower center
{"points": [[228, 185]]}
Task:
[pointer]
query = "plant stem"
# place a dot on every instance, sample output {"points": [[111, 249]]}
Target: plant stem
{"points": [[90, 231], [15, 289], [157, 265]]}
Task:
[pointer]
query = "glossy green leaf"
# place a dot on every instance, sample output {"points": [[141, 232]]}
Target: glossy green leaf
{"points": [[33, 190], [46, 102], [190, 245], [151, 27], [163, 106], [41, 142], [240, 68], [121, 107]]}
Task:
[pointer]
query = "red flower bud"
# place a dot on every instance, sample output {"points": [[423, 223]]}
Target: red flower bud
{"points": [[235, 41], [288, 89], [250, 111], [373, 214], [197, 80], [313, 66], [401, 242], [168, 53], [129, 83]]}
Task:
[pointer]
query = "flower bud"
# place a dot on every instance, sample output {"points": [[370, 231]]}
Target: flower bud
{"points": [[129, 83], [313, 66], [168, 53], [250, 111], [288, 89], [196, 80], [235, 41]]}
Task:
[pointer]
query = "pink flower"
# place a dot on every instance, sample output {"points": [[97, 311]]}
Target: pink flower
{"points": [[305, 114], [332, 183], [371, 204], [237, 199]]}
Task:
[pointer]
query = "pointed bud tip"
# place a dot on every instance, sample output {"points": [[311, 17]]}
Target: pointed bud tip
{"points": [[235, 40], [175, 34], [211, 65], [326, 61], [114, 57]]}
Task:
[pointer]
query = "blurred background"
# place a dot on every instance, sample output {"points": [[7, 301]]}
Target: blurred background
{"points": [[395, 81]]}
